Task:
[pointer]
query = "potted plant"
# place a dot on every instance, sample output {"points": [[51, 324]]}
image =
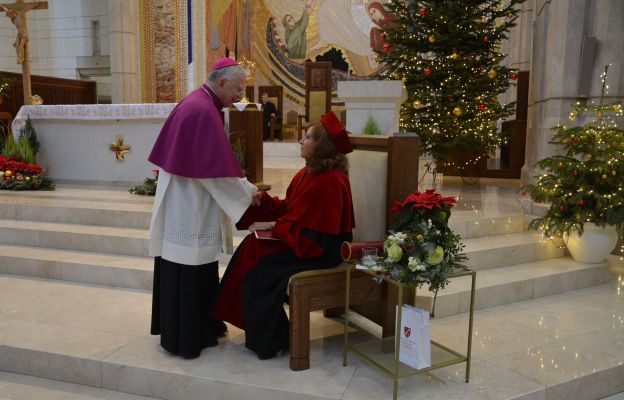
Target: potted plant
{"points": [[584, 184], [420, 247]]}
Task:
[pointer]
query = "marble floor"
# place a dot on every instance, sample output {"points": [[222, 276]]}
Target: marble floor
{"points": [[64, 339]]}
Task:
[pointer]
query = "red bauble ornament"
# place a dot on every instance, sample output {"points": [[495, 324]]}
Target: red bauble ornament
{"points": [[382, 35], [422, 11], [523, 194], [562, 208], [486, 40], [581, 202], [574, 172], [549, 170], [427, 71], [514, 76], [481, 106], [386, 47], [560, 165], [481, 70]]}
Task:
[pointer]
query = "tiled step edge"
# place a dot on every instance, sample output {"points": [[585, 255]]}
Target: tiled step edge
{"points": [[521, 282]]}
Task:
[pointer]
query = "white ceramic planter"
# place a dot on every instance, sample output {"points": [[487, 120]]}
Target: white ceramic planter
{"points": [[594, 245]]}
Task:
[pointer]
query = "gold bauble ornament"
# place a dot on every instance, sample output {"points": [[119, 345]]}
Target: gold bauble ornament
{"points": [[417, 104], [604, 176], [8, 173], [404, 79], [27, 178], [432, 39], [455, 56], [491, 74], [457, 111], [613, 173]]}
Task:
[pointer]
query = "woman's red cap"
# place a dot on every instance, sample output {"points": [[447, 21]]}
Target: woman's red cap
{"points": [[337, 132]]}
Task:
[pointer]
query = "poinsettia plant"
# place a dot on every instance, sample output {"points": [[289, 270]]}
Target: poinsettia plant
{"points": [[420, 247], [16, 174]]}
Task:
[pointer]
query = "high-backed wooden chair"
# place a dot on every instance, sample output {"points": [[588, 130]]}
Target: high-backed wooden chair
{"points": [[382, 169], [276, 97], [318, 94], [289, 125]]}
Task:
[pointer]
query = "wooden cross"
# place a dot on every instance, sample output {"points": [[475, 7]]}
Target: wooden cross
{"points": [[17, 13]]}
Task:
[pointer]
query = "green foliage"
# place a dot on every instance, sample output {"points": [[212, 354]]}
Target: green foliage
{"points": [[585, 182], [448, 54], [239, 151], [28, 131], [148, 188], [371, 127], [21, 181], [10, 148], [23, 145]]}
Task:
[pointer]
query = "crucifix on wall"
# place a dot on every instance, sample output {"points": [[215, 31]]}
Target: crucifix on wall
{"points": [[17, 13]]}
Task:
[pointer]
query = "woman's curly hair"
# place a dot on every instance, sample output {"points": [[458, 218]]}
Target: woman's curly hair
{"points": [[325, 155]]}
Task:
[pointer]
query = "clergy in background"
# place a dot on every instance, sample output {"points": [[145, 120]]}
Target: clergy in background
{"points": [[302, 232], [268, 110], [199, 178]]}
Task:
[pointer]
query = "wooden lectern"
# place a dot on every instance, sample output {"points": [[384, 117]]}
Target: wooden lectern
{"points": [[246, 126]]}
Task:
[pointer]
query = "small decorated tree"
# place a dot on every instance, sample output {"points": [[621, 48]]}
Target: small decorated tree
{"points": [[586, 182]]}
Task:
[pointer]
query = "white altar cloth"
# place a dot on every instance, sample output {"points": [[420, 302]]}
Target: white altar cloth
{"points": [[75, 139]]}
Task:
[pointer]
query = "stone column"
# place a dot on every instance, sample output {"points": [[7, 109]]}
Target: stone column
{"points": [[124, 60], [559, 28]]}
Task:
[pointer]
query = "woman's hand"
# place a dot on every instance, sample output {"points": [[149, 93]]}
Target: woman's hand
{"points": [[261, 226], [256, 198]]}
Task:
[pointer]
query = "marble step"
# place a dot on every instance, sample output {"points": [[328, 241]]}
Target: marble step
{"points": [[76, 211], [84, 267], [503, 250], [116, 207], [98, 337], [97, 239], [80, 253], [515, 283]]}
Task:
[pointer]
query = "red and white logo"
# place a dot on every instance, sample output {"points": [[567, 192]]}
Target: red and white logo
{"points": [[407, 331]]}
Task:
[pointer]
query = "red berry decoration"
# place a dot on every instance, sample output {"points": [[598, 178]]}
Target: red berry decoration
{"points": [[422, 11], [514, 76], [386, 47], [481, 106], [427, 71], [581, 202], [523, 194], [486, 40], [382, 35], [549, 170]]}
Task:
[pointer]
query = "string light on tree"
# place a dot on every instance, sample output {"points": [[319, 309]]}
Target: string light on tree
{"points": [[587, 172], [459, 90]]}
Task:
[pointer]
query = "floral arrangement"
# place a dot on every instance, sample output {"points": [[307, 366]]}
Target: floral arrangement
{"points": [[421, 248], [16, 174], [148, 188], [584, 183]]}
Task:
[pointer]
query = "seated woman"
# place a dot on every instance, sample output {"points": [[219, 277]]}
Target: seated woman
{"points": [[306, 230]]}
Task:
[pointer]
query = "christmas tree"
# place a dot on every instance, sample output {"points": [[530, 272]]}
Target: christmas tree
{"points": [[585, 183], [448, 54]]}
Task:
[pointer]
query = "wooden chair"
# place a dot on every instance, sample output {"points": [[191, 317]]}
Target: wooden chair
{"points": [[276, 97], [382, 169], [289, 126], [317, 96]]}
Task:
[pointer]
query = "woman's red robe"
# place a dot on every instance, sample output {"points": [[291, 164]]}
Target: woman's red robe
{"points": [[311, 222]]}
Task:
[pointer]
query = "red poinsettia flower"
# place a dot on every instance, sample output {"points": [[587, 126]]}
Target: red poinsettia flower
{"points": [[424, 201]]}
